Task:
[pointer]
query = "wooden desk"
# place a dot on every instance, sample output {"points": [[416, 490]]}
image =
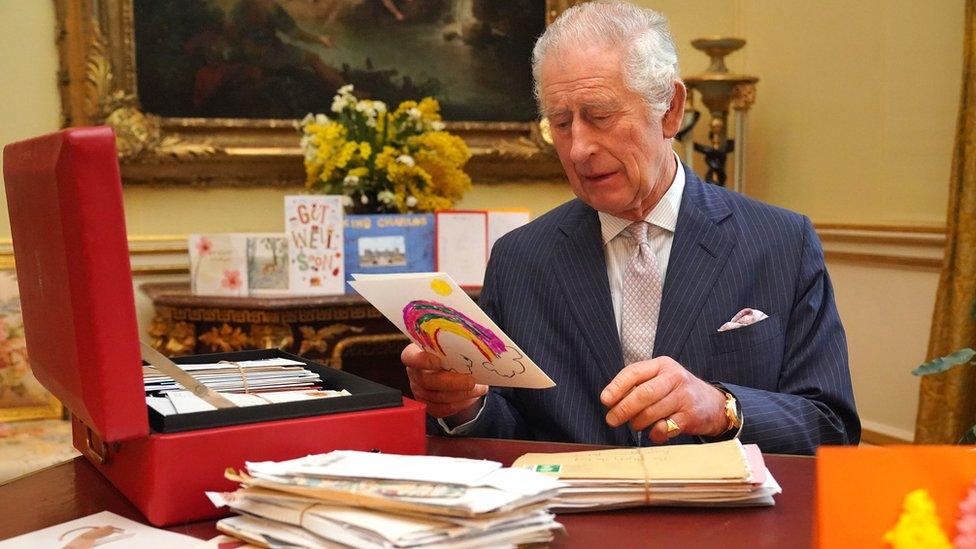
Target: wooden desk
{"points": [[75, 489]]}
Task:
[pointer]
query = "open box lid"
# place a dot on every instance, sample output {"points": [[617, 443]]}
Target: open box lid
{"points": [[64, 196]]}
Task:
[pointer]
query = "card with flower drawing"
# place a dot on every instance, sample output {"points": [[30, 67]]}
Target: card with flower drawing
{"points": [[218, 264]]}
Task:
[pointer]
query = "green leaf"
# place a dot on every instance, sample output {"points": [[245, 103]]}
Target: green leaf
{"points": [[969, 437], [942, 364]]}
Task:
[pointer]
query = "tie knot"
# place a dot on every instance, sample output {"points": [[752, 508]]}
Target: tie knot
{"points": [[638, 231]]}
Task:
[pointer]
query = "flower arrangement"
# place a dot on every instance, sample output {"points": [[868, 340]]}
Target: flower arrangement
{"points": [[381, 161]]}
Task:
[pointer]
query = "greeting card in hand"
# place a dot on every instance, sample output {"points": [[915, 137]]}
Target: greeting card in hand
{"points": [[313, 225], [436, 314], [218, 264]]}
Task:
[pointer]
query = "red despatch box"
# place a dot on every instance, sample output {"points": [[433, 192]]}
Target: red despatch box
{"points": [[65, 202]]}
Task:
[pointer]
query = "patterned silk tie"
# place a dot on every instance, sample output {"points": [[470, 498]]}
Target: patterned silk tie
{"points": [[641, 298]]}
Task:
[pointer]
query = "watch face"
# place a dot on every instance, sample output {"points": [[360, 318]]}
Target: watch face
{"points": [[732, 411]]}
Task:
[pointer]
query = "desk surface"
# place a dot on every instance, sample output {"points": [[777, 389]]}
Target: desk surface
{"points": [[75, 489]]}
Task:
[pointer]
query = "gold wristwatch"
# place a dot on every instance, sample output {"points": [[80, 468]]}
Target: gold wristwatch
{"points": [[732, 412]]}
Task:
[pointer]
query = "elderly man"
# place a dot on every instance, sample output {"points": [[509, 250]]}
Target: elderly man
{"points": [[657, 303]]}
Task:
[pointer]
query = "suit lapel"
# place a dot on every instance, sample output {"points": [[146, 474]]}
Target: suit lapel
{"points": [[580, 267], [699, 252]]}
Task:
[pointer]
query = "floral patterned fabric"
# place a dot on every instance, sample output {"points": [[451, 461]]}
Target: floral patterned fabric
{"points": [[18, 387]]}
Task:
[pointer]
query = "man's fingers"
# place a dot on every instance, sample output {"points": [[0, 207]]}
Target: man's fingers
{"points": [[447, 397], [659, 432], [639, 398], [413, 356], [662, 409], [627, 379], [441, 380]]}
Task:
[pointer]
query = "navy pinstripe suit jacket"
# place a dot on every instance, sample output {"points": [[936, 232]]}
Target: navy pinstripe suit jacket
{"points": [[546, 286]]}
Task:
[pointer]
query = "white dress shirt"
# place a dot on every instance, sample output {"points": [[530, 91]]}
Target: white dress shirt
{"points": [[618, 248]]}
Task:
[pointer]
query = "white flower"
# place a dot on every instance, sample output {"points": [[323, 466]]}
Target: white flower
{"points": [[364, 199], [379, 106], [414, 113], [351, 180], [371, 122], [321, 119], [386, 197], [347, 200], [405, 159], [308, 119], [338, 104], [362, 106], [411, 201], [345, 90], [309, 147], [437, 125]]}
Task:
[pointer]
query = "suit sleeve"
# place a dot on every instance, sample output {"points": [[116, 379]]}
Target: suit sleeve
{"points": [[814, 403], [500, 417]]}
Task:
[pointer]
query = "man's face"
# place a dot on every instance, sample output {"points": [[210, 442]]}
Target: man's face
{"points": [[618, 159]]}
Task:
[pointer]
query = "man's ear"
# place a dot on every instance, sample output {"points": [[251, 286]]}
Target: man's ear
{"points": [[671, 122]]}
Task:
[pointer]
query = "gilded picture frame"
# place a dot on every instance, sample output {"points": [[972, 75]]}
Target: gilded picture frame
{"points": [[22, 397], [98, 85]]}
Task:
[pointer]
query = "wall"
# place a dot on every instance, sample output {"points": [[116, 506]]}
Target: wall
{"points": [[853, 125]]}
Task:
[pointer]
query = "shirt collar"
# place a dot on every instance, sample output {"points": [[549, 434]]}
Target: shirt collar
{"points": [[664, 214]]}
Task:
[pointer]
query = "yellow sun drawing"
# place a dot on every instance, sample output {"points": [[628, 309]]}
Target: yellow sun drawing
{"points": [[440, 287]]}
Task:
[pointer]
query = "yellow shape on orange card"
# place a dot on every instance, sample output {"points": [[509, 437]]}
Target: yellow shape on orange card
{"points": [[918, 526], [861, 490]]}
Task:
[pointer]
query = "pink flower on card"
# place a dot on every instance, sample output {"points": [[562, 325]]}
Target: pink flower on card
{"points": [[204, 245], [232, 280]]}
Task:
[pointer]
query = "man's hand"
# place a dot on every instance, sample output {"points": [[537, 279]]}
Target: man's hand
{"points": [[445, 393], [648, 393]]}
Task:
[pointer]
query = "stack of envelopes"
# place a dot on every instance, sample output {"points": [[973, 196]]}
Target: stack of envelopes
{"points": [[364, 499], [253, 375], [719, 474], [245, 383]]}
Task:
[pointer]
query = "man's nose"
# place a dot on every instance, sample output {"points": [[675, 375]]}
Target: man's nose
{"points": [[583, 143]]}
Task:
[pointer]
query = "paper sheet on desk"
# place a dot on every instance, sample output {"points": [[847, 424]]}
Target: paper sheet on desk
{"points": [[436, 314], [103, 528]]}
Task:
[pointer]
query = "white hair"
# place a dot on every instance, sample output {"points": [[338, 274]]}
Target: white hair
{"points": [[649, 59]]}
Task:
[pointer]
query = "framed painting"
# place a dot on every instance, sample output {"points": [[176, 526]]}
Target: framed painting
{"points": [[22, 397], [210, 91]]}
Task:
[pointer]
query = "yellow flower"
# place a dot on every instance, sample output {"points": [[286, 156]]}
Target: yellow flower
{"points": [[429, 109], [368, 152], [450, 148], [404, 107]]}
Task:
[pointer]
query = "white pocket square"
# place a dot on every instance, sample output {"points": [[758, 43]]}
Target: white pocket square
{"points": [[744, 317]]}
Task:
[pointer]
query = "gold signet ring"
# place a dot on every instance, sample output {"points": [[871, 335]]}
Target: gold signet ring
{"points": [[673, 428]]}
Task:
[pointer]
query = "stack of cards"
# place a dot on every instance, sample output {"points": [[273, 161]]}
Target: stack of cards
{"points": [[245, 383], [364, 499]]}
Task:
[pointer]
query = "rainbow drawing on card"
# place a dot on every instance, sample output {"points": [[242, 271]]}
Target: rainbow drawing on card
{"points": [[426, 319]]}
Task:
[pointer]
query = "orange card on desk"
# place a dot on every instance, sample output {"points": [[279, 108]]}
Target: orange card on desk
{"points": [[860, 491]]}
